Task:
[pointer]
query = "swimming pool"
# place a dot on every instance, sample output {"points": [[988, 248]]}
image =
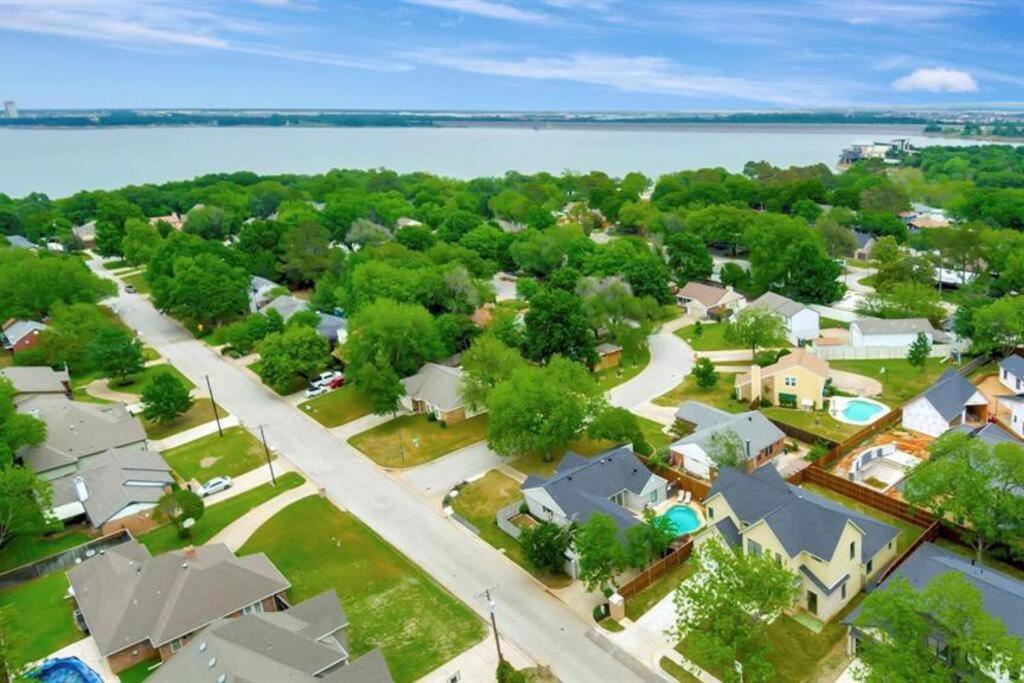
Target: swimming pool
{"points": [[65, 670], [858, 411], [683, 518]]}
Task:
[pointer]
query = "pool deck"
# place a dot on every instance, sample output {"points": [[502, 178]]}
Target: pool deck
{"points": [[662, 508], [87, 651], [840, 403]]}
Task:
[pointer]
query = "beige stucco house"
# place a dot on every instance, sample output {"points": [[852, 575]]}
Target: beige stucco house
{"points": [[704, 301], [797, 380]]}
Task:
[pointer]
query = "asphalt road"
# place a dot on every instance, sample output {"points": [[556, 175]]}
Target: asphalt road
{"points": [[528, 616], [671, 362]]}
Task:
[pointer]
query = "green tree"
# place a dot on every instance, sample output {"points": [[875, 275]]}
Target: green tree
{"points": [[723, 609], [405, 333], [968, 482], [601, 556], [948, 609], [648, 541], [485, 365], [726, 449], [117, 354], [305, 256], [141, 241], [919, 351], [366, 233], [705, 374], [17, 430], [688, 256], [34, 285], [618, 425], [206, 290], [905, 300], [813, 276], [209, 222], [557, 324], [165, 398], [378, 381], [734, 275], [999, 326], [839, 240], [297, 350], [25, 503], [544, 546], [757, 327], [177, 506]]}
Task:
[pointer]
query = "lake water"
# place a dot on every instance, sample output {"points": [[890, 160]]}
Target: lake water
{"points": [[61, 162]]}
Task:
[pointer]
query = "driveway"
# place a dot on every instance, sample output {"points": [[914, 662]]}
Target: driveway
{"points": [[671, 362], [533, 620], [436, 478]]}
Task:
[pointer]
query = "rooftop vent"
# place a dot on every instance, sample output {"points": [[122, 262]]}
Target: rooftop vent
{"points": [[212, 663], [202, 646], [81, 490]]}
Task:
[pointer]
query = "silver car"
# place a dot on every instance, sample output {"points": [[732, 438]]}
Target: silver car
{"points": [[215, 485]]}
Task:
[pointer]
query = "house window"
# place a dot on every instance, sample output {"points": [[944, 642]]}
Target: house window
{"points": [[853, 549], [842, 591], [790, 381], [177, 644], [711, 513], [253, 608], [654, 496], [753, 548], [547, 511], [778, 558], [870, 563]]}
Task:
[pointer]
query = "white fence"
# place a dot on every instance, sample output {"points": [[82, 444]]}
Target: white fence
{"points": [[503, 518], [877, 352]]}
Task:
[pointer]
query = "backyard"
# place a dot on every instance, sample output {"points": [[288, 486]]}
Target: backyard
{"points": [[612, 377], [139, 672], [638, 605], [656, 438], [200, 413], [817, 421], [337, 407], [719, 396], [901, 381], [390, 602], [411, 440], [237, 452], [479, 502], [535, 463], [24, 549], [43, 615]]}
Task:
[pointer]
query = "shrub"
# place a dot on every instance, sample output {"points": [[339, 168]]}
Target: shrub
{"points": [[431, 417], [508, 674], [442, 424], [524, 509]]}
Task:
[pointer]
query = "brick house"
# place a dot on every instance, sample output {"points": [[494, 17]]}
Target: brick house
{"points": [[21, 335]]}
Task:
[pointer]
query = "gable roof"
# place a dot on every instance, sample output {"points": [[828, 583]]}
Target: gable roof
{"points": [[990, 432], [438, 385], [287, 305], [20, 242], [798, 357], [895, 326], [330, 325], [784, 306], [864, 239], [950, 394], [19, 329], [36, 379], [1002, 595], [127, 597], [701, 414], [801, 520], [753, 428], [1014, 364], [708, 295], [582, 487]]}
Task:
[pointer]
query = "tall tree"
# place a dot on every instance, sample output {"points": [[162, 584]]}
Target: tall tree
{"points": [[17, 430], [405, 333], [165, 398], [648, 541], [298, 351], [757, 327], [305, 254], [485, 365], [544, 546], [25, 503], [141, 241], [601, 556], [206, 290], [178, 506], [618, 425], [117, 353], [704, 373], [688, 256], [726, 449], [378, 381], [557, 324], [919, 351]]}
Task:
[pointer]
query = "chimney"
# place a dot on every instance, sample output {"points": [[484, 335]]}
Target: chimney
{"points": [[81, 490]]}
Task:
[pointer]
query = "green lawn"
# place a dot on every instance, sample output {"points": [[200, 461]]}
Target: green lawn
{"points": [[200, 413], [638, 605], [149, 353], [116, 265], [138, 280], [80, 394], [411, 440], [534, 463], [390, 602], [816, 421], [901, 380], [44, 617], [908, 532], [338, 407], [139, 672], [656, 438], [480, 501], [24, 549], [613, 377], [139, 381], [218, 516], [235, 453], [719, 395], [677, 672], [826, 323], [712, 337]]}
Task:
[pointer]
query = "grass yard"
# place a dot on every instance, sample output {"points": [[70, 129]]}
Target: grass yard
{"points": [[908, 532], [80, 394], [411, 440], [139, 672], [137, 280], [116, 265], [613, 377], [677, 672], [480, 501], [653, 434], [638, 605], [827, 323], [237, 452], [816, 421], [218, 516], [149, 353], [338, 407], [141, 380], [390, 602], [24, 549], [200, 413], [712, 337], [534, 463], [44, 617], [901, 380], [719, 395]]}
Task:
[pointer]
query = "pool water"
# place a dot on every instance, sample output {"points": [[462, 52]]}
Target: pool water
{"points": [[860, 411], [65, 670], [684, 519]]}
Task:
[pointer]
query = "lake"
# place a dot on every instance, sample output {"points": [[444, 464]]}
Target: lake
{"points": [[60, 162]]}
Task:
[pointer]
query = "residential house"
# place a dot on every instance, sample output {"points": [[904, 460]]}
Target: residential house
{"points": [[761, 439], [20, 242], [802, 322], [1002, 595], [173, 219], [30, 381], [260, 292], [990, 432], [608, 356], [331, 327], [796, 380], [307, 643], [1011, 373], [704, 301], [1016, 405], [510, 227], [287, 305], [865, 242], [893, 332], [833, 550], [437, 389], [406, 222], [137, 607], [924, 217], [20, 335], [86, 234], [951, 401], [614, 483]]}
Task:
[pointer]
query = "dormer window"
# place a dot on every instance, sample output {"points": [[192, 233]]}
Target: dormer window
{"points": [[853, 549]]}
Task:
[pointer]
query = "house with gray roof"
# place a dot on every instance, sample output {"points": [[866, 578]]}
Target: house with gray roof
{"points": [[307, 643], [19, 335], [990, 432], [951, 401], [86, 234], [1002, 595], [331, 327], [832, 550], [802, 322], [137, 607], [437, 389], [1011, 373], [29, 381], [760, 438], [893, 332], [260, 289], [20, 242]]}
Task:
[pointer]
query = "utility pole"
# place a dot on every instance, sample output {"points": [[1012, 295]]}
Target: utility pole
{"points": [[266, 450], [216, 415], [494, 624]]}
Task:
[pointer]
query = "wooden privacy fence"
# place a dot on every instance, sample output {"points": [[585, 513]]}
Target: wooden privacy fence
{"points": [[699, 488], [62, 560], [656, 570], [864, 495], [929, 535], [804, 435], [838, 450]]}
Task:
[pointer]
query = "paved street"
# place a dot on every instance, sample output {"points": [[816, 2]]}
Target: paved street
{"points": [[436, 478], [671, 362], [530, 618]]}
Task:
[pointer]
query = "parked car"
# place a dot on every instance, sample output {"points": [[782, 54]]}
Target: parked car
{"points": [[325, 378], [337, 382], [315, 390], [130, 289], [215, 485]]}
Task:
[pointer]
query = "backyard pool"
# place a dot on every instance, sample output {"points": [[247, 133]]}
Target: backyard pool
{"points": [[858, 411], [65, 670], [684, 519]]}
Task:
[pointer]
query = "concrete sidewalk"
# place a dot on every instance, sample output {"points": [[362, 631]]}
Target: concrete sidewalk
{"points": [[252, 479], [189, 435], [480, 662], [238, 532]]}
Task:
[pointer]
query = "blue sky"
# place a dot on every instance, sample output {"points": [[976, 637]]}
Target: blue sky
{"points": [[511, 55]]}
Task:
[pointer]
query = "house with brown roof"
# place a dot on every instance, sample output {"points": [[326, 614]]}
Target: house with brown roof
{"points": [[796, 380], [704, 301], [137, 607]]}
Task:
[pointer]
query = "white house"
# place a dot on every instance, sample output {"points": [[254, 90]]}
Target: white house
{"points": [[802, 323], [950, 402], [1016, 406], [1011, 373], [899, 332]]}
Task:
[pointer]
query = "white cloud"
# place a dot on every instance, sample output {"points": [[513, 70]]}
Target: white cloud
{"points": [[487, 9], [939, 79]]}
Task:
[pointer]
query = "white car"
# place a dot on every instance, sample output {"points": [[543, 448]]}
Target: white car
{"points": [[215, 485], [325, 378], [315, 390]]}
